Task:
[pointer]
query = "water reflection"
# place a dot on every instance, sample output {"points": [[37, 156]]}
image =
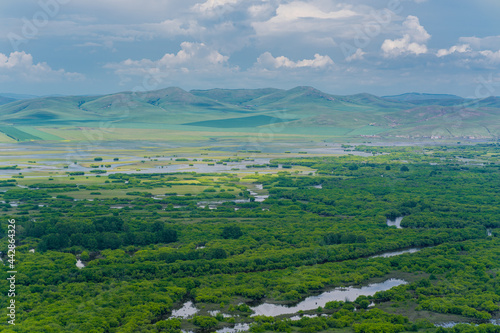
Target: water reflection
{"points": [[258, 197], [395, 253], [306, 315], [80, 264], [396, 222], [451, 324], [235, 329], [187, 310], [313, 302]]}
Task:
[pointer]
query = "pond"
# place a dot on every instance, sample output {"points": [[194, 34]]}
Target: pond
{"points": [[187, 310], [235, 329], [198, 167], [212, 204], [313, 302], [396, 222], [80, 264], [259, 196], [451, 324], [395, 253]]}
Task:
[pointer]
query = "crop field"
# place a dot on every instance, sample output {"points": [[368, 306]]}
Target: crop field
{"points": [[17, 134]]}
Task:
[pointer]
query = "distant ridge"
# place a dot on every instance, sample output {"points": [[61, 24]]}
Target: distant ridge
{"points": [[5, 100], [421, 96], [298, 111], [428, 99], [17, 96]]}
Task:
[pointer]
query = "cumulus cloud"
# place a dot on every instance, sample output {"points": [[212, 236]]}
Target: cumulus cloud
{"points": [[299, 16], [192, 57], [358, 55], [260, 10], [211, 7], [20, 66], [490, 42], [480, 51], [413, 41], [463, 48], [491, 55], [267, 61]]}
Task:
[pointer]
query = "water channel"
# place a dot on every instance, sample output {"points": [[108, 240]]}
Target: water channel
{"points": [[395, 223], [338, 294]]}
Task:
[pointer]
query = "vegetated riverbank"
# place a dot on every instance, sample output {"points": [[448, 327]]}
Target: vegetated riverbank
{"points": [[161, 248]]}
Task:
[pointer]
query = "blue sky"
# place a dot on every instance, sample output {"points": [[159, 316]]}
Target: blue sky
{"points": [[341, 47]]}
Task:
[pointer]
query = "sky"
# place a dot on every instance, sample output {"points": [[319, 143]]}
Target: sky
{"points": [[382, 47]]}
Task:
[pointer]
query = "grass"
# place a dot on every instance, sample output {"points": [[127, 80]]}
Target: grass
{"points": [[299, 113], [38, 133], [252, 121], [17, 134]]}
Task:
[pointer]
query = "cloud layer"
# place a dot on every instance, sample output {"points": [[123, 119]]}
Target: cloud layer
{"points": [[339, 46], [20, 66]]}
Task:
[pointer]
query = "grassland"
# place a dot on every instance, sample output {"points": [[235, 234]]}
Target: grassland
{"points": [[297, 113]]}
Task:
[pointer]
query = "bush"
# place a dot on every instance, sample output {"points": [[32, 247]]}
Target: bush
{"points": [[231, 232], [205, 322]]}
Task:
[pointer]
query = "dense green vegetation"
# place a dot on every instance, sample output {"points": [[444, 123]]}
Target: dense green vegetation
{"points": [[148, 249]]}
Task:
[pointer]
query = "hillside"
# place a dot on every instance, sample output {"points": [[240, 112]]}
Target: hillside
{"points": [[302, 111], [5, 100]]}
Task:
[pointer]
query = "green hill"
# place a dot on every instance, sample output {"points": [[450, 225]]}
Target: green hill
{"points": [[5, 100], [299, 111]]}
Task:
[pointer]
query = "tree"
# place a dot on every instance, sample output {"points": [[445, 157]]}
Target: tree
{"points": [[233, 232], [205, 322]]}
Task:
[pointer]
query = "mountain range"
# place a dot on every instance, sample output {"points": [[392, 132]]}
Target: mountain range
{"points": [[301, 111]]}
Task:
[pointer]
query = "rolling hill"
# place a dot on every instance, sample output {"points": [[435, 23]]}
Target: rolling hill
{"points": [[430, 99], [298, 111], [5, 100]]}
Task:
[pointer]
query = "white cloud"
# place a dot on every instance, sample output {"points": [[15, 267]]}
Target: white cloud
{"points": [[300, 10], [213, 7], [413, 41], [358, 55], [415, 30], [463, 48], [491, 55], [490, 42], [303, 17], [211, 4], [20, 66], [267, 61], [479, 51], [260, 10], [192, 57]]}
